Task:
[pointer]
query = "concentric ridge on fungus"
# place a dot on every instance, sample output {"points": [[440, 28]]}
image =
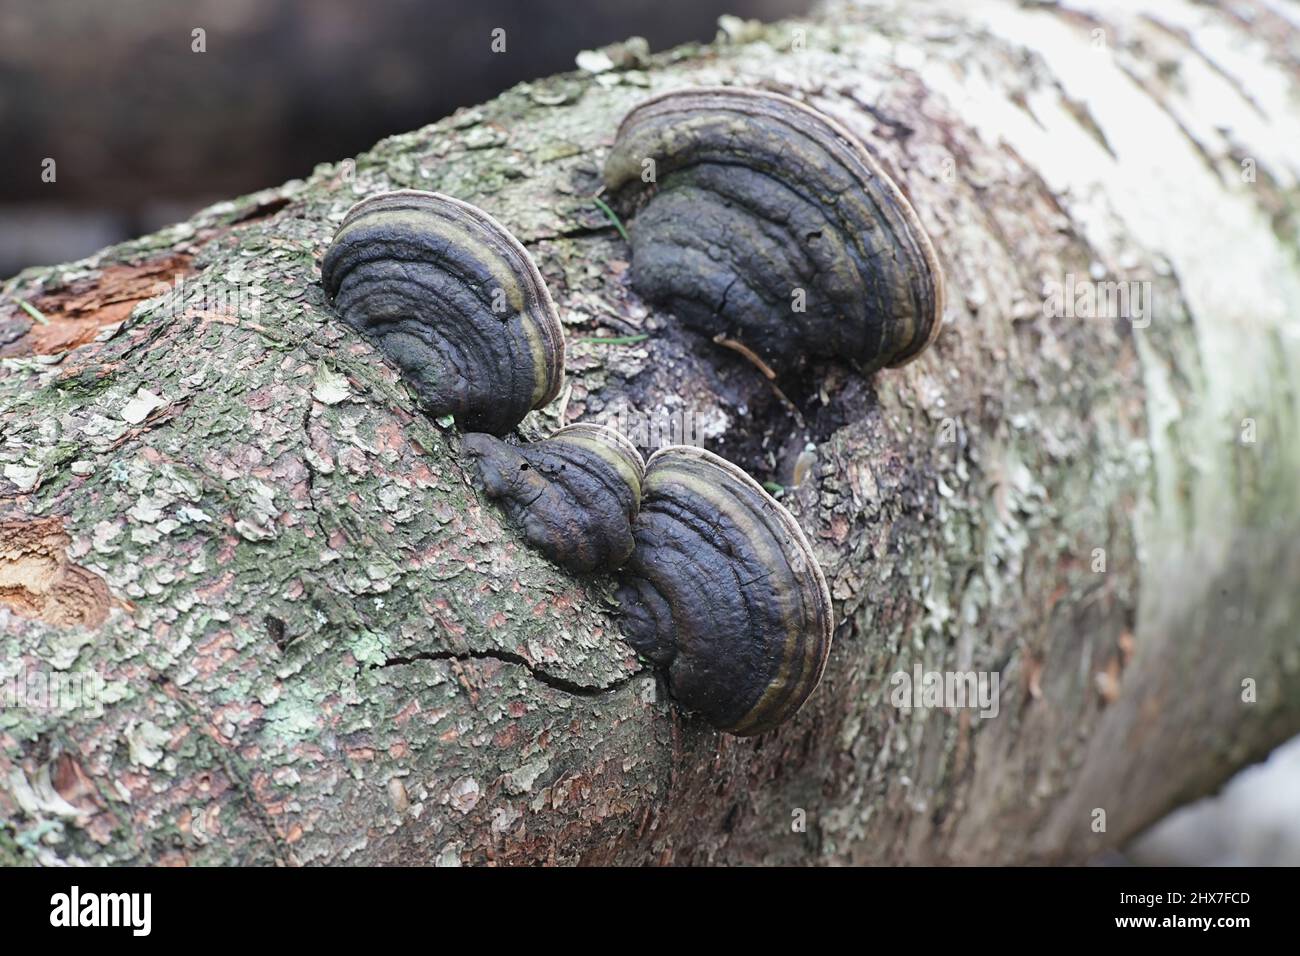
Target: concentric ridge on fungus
{"points": [[573, 496], [757, 196], [724, 593], [454, 301]]}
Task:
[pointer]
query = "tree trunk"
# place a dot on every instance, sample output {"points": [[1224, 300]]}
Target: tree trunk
{"points": [[304, 636]]}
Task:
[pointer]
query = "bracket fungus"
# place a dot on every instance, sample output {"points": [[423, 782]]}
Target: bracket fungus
{"points": [[719, 587], [723, 593], [454, 301], [574, 495], [759, 219]]}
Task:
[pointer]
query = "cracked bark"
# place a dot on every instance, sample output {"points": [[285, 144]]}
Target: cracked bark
{"points": [[323, 645], [537, 674]]}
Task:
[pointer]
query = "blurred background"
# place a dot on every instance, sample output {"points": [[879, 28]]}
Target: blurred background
{"points": [[1251, 822], [145, 131]]}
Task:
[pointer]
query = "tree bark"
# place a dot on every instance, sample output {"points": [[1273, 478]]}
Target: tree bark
{"points": [[319, 643]]}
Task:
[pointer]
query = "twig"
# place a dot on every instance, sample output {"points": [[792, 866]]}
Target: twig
{"points": [[34, 312], [758, 363], [746, 351]]}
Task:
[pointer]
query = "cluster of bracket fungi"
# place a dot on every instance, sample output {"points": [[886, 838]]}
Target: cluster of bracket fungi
{"points": [[753, 195]]}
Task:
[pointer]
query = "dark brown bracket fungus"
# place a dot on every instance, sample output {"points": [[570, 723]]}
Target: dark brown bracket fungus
{"points": [[723, 592], [574, 495], [761, 220], [453, 299]]}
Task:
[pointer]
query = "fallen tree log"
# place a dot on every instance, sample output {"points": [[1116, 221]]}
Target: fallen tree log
{"points": [[255, 610]]}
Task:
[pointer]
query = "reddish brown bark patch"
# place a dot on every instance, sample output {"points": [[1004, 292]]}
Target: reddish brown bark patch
{"points": [[75, 313], [37, 579], [73, 784]]}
